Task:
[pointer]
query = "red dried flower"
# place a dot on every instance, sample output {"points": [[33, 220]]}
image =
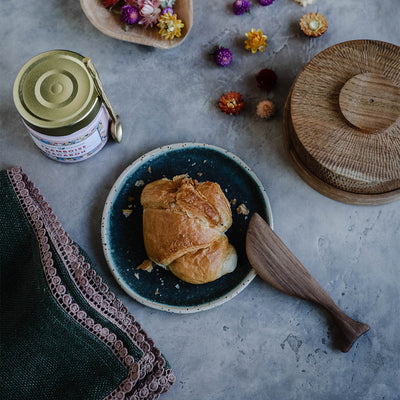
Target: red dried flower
{"points": [[266, 79], [109, 3], [231, 103]]}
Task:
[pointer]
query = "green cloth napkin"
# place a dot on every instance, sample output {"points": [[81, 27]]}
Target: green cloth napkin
{"points": [[64, 334]]}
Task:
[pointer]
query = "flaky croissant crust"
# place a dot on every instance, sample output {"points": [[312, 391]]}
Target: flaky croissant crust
{"points": [[180, 217]]}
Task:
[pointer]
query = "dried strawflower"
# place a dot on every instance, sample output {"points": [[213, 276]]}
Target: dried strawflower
{"points": [[135, 3], [129, 15], [313, 24], [170, 26], [265, 109], [150, 12], [266, 2], [109, 3], [222, 56], [167, 10], [255, 40], [305, 2], [266, 79], [241, 6], [231, 103]]}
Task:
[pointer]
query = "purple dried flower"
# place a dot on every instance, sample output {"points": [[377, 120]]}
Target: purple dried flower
{"points": [[167, 10], [222, 56], [129, 15], [241, 6], [266, 2]]}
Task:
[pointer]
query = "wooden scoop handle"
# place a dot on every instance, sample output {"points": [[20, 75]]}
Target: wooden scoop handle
{"points": [[278, 266]]}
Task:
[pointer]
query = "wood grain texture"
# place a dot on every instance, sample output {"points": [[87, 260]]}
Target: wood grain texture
{"points": [[340, 149], [370, 102], [318, 184], [277, 265], [110, 24]]}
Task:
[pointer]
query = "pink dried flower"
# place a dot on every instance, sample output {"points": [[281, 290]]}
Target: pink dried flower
{"points": [[265, 109], [135, 3], [150, 12]]}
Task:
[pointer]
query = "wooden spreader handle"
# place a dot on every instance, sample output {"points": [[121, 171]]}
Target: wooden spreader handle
{"points": [[278, 266]]}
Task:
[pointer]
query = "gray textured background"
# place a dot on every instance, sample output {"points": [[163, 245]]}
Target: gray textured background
{"points": [[262, 344]]}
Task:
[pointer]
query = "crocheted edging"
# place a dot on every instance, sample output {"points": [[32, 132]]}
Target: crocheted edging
{"points": [[147, 378], [153, 377]]}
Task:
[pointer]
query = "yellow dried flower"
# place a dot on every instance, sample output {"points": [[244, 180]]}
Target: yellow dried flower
{"points": [[313, 24], [170, 26], [255, 40]]}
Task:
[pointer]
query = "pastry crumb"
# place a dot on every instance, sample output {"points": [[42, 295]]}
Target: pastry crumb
{"points": [[149, 169], [157, 292], [131, 199], [139, 183], [137, 275], [177, 286], [199, 174], [233, 202], [146, 265], [242, 209], [126, 212]]}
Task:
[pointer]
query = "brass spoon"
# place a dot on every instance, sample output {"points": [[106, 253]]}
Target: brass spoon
{"points": [[278, 266], [115, 126]]}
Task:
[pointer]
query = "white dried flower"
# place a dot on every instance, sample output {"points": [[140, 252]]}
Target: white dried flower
{"points": [[305, 2]]}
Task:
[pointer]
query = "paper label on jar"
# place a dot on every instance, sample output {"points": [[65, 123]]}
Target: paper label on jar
{"points": [[78, 146], [70, 150]]}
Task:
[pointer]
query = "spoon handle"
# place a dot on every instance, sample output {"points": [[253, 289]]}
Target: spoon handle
{"points": [[277, 265], [115, 133]]}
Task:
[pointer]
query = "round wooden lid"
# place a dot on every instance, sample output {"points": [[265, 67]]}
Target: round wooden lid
{"points": [[345, 113]]}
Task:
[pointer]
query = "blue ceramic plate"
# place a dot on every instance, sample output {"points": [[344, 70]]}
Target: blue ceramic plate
{"points": [[122, 233]]}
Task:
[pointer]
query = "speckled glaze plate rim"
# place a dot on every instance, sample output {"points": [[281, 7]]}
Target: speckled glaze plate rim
{"points": [[118, 185]]}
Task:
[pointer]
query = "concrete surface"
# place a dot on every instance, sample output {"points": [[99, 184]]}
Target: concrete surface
{"points": [[262, 344]]}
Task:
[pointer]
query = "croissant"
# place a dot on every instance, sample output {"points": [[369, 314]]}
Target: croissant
{"points": [[183, 228]]}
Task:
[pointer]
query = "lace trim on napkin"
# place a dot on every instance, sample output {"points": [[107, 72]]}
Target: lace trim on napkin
{"points": [[147, 378]]}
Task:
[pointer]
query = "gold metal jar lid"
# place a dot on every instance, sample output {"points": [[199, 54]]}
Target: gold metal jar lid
{"points": [[55, 93]]}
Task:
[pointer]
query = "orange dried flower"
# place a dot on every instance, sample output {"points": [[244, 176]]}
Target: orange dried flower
{"points": [[231, 103], [313, 24]]}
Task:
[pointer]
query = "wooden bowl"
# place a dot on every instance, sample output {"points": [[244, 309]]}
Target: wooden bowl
{"points": [[110, 24], [342, 122]]}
